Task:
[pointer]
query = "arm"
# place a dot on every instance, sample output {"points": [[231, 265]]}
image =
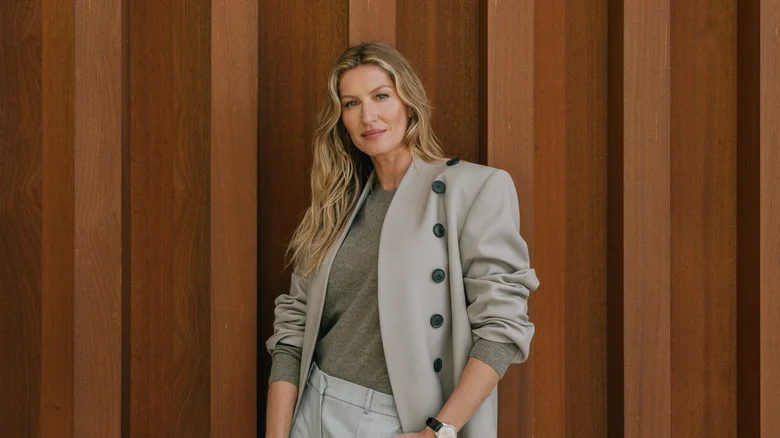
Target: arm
{"points": [[476, 383], [282, 396], [498, 280], [285, 346]]}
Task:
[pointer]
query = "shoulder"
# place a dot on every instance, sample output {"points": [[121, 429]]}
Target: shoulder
{"points": [[468, 179]]}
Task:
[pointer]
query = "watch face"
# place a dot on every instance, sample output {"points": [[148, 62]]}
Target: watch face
{"points": [[447, 432]]}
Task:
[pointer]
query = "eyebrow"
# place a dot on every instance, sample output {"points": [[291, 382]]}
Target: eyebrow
{"points": [[372, 92]]}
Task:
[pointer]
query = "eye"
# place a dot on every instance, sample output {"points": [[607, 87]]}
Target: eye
{"points": [[351, 103], [381, 96]]}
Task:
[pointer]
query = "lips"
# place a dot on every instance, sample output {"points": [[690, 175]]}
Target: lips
{"points": [[372, 133]]}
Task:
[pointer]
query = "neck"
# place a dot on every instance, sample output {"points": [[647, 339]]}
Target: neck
{"points": [[391, 168]]}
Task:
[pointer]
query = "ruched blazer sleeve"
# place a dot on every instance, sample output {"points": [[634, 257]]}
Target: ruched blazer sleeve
{"points": [[496, 271]]}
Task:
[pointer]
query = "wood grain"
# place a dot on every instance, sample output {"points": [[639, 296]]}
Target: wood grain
{"points": [[20, 217], [506, 141], [293, 71], [234, 31], [585, 214], [97, 323], [372, 21], [770, 212], [440, 40], [703, 218], [748, 220], [646, 219], [170, 203], [57, 226], [550, 236]]}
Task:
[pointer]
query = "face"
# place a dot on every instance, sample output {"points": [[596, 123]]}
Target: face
{"points": [[372, 112]]}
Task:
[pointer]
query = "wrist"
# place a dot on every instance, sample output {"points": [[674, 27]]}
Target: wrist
{"points": [[428, 433]]}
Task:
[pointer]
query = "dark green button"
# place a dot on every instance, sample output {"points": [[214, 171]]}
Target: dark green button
{"points": [[438, 230], [438, 276], [437, 321], [437, 365], [453, 161], [438, 186]]}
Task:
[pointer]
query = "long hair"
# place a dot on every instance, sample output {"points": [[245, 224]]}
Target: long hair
{"points": [[340, 170]]}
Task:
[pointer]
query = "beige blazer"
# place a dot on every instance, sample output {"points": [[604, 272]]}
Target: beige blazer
{"points": [[483, 293]]}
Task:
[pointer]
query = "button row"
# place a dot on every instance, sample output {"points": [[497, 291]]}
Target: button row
{"points": [[438, 275]]}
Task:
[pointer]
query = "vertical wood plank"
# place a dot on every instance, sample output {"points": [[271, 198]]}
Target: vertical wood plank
{"points": [[297, 48], [770, 212], [646, 219], [748, 220], [97, 324], [550, 180], [234, 343], [170, 80], [703, 218], [440, 40], [372, 21], [507, 141], [20, 217], [57, 227], [586, 219]]}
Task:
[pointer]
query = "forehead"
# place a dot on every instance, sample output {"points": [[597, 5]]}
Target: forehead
{"points": [[363, 79]]}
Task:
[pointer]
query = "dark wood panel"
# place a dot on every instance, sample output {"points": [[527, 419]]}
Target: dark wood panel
{"points": [[506, 127], [549, 181], [20, 217], [372, 21], [97, 302], [615, 225], [297, 48], [57, 227], [586, 219], [646, 220], [703, 218], [770, 212], [170, 212], [234, 218], [748, 221], [440, 40]]}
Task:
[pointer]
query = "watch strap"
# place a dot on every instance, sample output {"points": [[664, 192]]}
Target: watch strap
{"points": [[434, 424]]}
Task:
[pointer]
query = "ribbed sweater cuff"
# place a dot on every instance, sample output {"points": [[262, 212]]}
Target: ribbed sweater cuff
{"points": [[285, 366], [496, 354]]}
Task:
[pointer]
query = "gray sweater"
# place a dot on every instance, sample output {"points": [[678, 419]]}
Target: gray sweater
{"points": [[350, 343]]}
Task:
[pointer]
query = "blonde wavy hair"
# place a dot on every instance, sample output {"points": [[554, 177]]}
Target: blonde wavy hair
{"points": [[340, 170]]}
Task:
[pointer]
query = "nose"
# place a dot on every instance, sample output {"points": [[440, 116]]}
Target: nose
{"points": [[368, 114]]}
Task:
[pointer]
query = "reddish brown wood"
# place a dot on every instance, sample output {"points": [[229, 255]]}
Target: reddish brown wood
{"points": [[769, 214], [549, 179], [440, 39], [646, 220], [97, 302], [372, 21], [20, 217], [234, 219], [298, 46], [615, 223], [585, 214], [703, 218], [506, 125], [170, 174], [57, 226]]}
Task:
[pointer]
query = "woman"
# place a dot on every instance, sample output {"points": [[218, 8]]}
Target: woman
{"points": [[426, 302]]}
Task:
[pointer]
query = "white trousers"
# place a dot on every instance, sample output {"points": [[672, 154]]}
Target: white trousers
{"points": [[335, 408]]}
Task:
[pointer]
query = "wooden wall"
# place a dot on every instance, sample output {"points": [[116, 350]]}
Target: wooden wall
{"points": [[154, 160], [128, 199]]}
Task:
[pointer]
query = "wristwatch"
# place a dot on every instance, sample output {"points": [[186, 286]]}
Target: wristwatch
{"points": [[442, 430]]}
